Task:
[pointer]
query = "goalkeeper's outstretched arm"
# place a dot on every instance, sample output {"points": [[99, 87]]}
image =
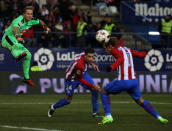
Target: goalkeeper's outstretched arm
{"points": [[44, 26]]}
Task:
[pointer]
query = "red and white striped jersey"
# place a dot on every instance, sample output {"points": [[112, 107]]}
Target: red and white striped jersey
{"points": [[76, 70], [124, 61]]}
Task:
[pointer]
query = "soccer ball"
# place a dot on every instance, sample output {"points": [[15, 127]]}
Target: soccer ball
{"points": [[102, 36]]}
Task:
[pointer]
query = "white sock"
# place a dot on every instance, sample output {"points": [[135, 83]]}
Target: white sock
{"points": [[108, 116], [159, 117], [52, 106]]}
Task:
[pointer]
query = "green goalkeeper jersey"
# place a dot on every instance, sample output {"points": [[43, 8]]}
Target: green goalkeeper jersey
{"points": [[22, 24]]}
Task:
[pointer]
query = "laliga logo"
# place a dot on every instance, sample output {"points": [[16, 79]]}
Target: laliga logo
{"points": [[154, 60], [45, 58]]}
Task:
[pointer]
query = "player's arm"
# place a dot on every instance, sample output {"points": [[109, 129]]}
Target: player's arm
{"points": [[119, 60], [17, 34], [35, 21], [85, 82], [92, 87], [79, 77], [95, 67], [140, 54], [44, 26]]}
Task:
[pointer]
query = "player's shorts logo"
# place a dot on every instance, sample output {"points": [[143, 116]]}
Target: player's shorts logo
{"points": [[45, 58], [154, 60]]}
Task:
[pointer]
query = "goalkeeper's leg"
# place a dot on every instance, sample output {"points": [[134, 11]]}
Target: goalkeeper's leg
{"points": [[19, 52]]}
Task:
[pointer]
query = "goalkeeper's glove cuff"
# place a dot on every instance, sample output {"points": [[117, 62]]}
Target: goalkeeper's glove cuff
{"points": [[21, 40], [46, 29]]}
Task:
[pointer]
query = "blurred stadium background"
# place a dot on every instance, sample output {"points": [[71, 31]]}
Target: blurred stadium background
{"points": [[74, 23]]}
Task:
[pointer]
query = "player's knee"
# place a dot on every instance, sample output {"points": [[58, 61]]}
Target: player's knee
{"points": [[67, 102], [68, 99]]}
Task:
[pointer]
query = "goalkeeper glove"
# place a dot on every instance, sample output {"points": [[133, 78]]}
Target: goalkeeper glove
{"points": [[20, 40], [46, 29]]}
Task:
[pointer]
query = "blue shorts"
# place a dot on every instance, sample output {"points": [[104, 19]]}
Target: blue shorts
{"points": [[131, 86], [70, 86]]}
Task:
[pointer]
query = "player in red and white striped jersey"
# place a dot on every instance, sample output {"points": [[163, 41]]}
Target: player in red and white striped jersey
{"points": [[124, 61], [126, 81], [77, 74]]}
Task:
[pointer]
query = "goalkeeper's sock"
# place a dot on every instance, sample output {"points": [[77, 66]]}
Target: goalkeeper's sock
{"points": [[95, 101], [149, 108], [26, 65], [61, 103], [106, 103]]}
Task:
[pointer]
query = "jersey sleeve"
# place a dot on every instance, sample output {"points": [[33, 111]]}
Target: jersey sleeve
{"points": [[33, 22], [85, 82], [140, 54], [18, 21], [119, 58], [16, 24], [79, 76]]}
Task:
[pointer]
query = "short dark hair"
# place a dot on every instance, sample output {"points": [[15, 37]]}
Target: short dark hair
{"points": [[89, 50], [112, 41], [28, 8]]}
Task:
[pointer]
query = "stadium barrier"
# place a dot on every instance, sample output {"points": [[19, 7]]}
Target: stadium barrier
{"points": [[154, 71], [59, 59], [52, 82]]}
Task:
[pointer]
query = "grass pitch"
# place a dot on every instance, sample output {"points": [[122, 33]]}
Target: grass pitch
{"points": [[29, 113]]}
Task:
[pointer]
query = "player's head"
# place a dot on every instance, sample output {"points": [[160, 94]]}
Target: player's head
{"points": [[28, 13], [167, 18], [89, 55], [108, 46]]}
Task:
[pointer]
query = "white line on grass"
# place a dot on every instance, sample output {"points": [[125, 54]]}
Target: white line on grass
{"points": [[79, 102], [28, 128]]}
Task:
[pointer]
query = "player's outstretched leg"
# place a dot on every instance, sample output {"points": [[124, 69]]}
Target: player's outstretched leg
{"points": [[59, 104], [106, 105], [26, 68], [29, 82], [21, 56], [51, 111], [149, 108], [163, 120]]}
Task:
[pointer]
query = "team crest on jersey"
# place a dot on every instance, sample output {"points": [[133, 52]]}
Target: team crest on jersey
{"points": [[78, 72]]}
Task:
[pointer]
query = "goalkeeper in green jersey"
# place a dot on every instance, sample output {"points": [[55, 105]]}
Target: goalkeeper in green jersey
{"points": [[13, 41]]}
